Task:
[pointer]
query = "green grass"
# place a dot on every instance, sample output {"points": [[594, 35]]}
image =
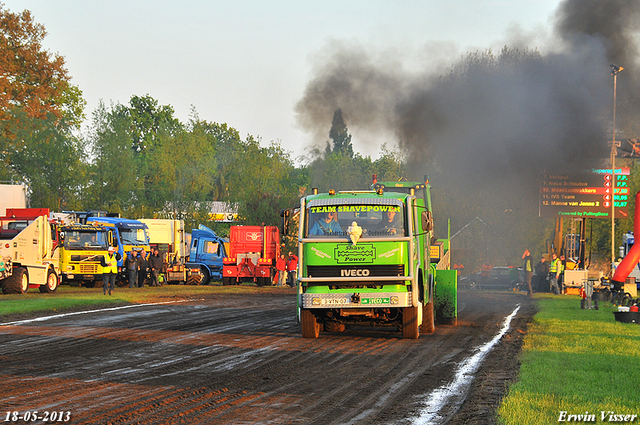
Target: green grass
{"points": [[576, 361], [67, 298]]}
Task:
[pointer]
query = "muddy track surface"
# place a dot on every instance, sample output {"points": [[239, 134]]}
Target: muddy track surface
{"points": [[231, 359]]}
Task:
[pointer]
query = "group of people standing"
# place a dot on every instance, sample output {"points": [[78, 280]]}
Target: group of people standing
{"points": [[287, 270], [552, 271], [139, 267]]}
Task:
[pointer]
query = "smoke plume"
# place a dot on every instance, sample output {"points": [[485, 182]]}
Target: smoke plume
{"points": [[518, 110], [491, 119]]}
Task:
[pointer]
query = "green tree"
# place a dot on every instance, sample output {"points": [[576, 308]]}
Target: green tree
{"points": [[182, 180], [47, 156], [340, 136], [113, 180]]}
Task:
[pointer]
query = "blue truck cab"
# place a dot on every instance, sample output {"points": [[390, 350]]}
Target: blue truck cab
{"points": [[205, 256], [129, 234]]}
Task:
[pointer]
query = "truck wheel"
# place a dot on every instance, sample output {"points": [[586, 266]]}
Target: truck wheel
{"points": [[52, 283], [17, 283], [410, 325], [262, 281], [226, 281], [428, 319], [205, 276], [310, 325]]}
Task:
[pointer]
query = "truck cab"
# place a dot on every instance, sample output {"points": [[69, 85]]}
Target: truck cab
{"points": [[82, 249], [205, 256], [367, 258], [128, 235]]}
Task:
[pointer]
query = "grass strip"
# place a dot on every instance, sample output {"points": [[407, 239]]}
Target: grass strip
{"points": [[581, 362], [68, 298]]}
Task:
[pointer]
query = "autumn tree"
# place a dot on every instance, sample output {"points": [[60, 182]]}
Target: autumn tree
{"points": [[33, 79]]}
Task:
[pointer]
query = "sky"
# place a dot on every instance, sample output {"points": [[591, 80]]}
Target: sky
{"points": [[248, 63]]}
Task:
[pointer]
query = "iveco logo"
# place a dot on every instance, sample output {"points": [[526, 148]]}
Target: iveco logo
{"points": [[354, 272]]}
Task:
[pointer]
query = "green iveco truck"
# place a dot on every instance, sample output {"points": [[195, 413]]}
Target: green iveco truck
{"points": [[369, 258]]}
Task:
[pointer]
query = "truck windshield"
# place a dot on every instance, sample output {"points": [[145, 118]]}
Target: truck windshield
{"points": [[376, 220], [134, 237], [82, 240]]}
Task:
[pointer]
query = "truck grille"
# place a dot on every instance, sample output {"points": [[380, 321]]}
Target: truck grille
{"points": [[92, 258], [342, 271], [88, 269]]}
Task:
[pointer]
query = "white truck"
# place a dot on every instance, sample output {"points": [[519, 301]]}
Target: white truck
{"points": [[12, 196], [29, 254], [169, 237]]}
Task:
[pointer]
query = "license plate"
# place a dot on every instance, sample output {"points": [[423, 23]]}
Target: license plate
{"points": [[336, 301]]}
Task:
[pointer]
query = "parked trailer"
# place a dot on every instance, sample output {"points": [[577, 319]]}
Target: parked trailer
{"points": [[253, 251], [29, 251], [169, 237], [12, 196]]}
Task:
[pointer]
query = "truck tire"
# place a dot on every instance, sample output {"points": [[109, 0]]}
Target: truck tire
{"points": [[428, 319], [226, 281], [410, 325], [204, 272], [17, 283], [263, 281], [309, 324], [52, 283]]}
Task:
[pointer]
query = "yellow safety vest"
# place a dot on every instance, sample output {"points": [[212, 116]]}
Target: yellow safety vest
{"points": [[554, 266], [112, 264]]}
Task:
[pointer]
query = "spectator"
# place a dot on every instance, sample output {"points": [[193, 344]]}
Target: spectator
{"points": [[528, 270], [155, 266], [542, 274], [292, 269], [281, 267], [143, 265], [131, 264]]}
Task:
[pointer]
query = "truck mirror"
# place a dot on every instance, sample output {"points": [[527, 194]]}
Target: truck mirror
{"points": [[427, 221]]}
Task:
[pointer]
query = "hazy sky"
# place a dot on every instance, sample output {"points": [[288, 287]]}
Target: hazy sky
{"points": [[247, 63]]}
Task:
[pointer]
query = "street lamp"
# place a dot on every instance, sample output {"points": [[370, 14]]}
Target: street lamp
{"points": [[615, 70]]}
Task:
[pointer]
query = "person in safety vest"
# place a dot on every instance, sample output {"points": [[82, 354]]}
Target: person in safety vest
{"points": [[555, 268], [109, 270], [528, 270]]}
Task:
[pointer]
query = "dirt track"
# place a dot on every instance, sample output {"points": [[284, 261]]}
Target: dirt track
{"points": [[240, 359]]}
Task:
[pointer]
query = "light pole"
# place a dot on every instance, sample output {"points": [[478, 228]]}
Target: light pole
{"points": [[615, 70]]}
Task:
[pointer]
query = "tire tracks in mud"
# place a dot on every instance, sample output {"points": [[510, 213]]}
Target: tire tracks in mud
{"points": [[230, 360]]}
